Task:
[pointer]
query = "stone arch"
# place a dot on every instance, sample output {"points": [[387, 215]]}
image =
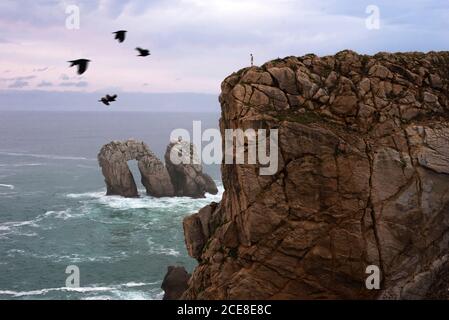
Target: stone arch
{"points": [[113, 158]]}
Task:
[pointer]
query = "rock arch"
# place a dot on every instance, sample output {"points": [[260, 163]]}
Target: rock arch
{"points": [[113, 158]]}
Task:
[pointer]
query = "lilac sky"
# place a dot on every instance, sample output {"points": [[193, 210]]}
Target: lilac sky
{"points": [[195, 43]]}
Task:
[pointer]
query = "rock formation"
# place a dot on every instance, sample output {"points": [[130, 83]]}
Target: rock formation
{"points": [[183, 179], [119, 180], [363, 180], [175, 283], [187, 177]]}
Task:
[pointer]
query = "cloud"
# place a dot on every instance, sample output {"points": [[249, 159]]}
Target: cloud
{"points": [[41, 13], [45, 84], [80, 84], [18, 84], [40, 69], [22, 78], [201, 41]]}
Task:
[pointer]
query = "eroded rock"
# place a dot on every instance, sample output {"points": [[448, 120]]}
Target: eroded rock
{"points": [[119, 180], [362, 180], [186, 172]]}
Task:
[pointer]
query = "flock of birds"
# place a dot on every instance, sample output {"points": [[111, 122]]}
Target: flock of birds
{"points": [[82, 64]]}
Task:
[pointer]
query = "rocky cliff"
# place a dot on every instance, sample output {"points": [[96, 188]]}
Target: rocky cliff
{"points": [[363, 179]]}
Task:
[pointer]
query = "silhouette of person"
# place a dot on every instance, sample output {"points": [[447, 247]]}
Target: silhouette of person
{"points": [[252, 59]]}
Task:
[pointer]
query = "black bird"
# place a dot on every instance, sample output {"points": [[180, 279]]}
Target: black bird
{"points": [[104, 100], [111, 98], [81, 63], [143, 52], [120, 35]]}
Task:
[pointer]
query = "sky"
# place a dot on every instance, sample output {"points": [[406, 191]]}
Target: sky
{"points": [[195, 44]]}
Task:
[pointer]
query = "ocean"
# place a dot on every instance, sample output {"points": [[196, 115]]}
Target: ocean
{"points": [[54, 212]]}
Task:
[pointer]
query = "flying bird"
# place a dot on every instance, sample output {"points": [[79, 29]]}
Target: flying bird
{"points": [[111, 98], [82, 65], [143, 52], [120, 35], [104, 100]]}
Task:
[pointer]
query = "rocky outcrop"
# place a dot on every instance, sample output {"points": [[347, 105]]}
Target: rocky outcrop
{"points": [[363, 179], [119, 180], [175, 283], [175, 179], [186, 173]]}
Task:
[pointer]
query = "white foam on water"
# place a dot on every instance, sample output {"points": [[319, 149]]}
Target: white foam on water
{"points": [[108, 291], [72, 258], [45, 291], [15, 251], [127, 295], [9, 186], [148, 202], [155, 248], [8, 194], [137, 284], [16, 227], [92, 195], [77, 258], [62, 214], [7, 226]]}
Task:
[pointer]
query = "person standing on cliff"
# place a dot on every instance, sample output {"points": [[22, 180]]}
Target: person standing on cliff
{"points": [[252, 59]]}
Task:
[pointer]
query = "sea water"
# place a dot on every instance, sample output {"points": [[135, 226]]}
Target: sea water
{"points": [[54, 212]]}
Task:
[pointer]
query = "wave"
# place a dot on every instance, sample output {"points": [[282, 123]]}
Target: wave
{"points": [[113, 291], [44, 156], [6, 226], [149, 294], [9, 186], [160, 249], [15, 227], [19, 165], [95, 194], [71, 258], [148, 202], [62, 214]]}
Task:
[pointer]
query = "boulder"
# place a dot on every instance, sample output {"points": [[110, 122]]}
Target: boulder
{"points": [[175, 283]]}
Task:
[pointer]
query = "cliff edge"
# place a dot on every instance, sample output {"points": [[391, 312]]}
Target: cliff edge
{"points": [[363, 179]]}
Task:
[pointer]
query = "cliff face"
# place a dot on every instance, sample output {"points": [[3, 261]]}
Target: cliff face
{"points": [[363, 179]]}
